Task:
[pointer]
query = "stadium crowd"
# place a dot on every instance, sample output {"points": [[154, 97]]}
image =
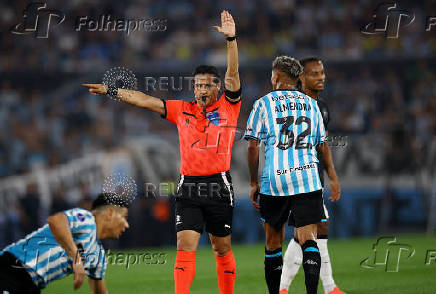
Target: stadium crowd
{"points": [[330, 29]]}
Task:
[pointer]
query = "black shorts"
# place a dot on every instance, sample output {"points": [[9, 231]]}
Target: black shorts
{"points": [[205, 201], [14, 278], [306, 209]]}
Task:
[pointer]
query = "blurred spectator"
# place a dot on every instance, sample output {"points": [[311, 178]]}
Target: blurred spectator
{"points": [[30, 209]]}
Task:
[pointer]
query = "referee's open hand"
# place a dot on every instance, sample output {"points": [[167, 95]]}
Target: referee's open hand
{"points": [[254, 194], [227, 27]]}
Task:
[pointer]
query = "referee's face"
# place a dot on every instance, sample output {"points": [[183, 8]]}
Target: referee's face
{"points": [[313, 77], [205, 89]]}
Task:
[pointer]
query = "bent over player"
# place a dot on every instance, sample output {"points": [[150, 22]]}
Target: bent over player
{"points": [[291, 127], [68, 243], [206, 130], [312, 83]]}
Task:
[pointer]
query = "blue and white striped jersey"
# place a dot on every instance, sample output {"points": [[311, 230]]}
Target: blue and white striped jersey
{"points": [[290, 124], [46, 261]]}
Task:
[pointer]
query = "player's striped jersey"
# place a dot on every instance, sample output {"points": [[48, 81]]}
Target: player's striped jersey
{"points": [[290, 125], [45, 260]]}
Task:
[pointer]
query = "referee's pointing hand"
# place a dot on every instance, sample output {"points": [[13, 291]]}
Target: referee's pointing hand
{"points": [[96, 89]]}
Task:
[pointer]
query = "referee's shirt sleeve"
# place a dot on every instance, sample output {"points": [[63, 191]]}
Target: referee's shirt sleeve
{"points": [[255, 125], [173, 109]]}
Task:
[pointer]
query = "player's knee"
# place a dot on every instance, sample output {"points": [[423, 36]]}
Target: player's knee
{"points": [[185, 244], [323, 228], [221, 249]]}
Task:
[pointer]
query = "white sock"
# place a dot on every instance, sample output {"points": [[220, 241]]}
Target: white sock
{"points": [[325, 274], [291, 264]]}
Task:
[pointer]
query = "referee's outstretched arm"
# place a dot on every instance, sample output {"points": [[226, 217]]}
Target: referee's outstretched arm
{"points": [[232, 82], [133, 97]]}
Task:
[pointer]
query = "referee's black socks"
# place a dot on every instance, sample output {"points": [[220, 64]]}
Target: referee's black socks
{"points": [[311, 265], [273, 269]]}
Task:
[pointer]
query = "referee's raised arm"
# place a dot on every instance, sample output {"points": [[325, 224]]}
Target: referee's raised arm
{"points": [[232, 82], [133, 97]]}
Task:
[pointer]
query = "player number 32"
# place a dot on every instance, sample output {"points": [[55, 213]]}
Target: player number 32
{"points": [[287, 137]]}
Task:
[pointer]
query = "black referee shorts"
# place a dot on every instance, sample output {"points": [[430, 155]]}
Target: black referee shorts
{"points": [[14, 278], [305, 208], [205, 201]]}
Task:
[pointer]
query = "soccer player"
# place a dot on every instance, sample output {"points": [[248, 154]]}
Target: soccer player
{"points": [[312, 83], [68, 243], [291, 127], [206, 130]]}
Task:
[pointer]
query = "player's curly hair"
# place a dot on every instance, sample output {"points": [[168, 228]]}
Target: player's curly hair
{"points": [[288, 65]]}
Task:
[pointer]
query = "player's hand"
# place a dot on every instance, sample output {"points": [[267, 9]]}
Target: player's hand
{"points": [[254, 194], [79, 272], [335, 190], [227, 27], [96, 89]]}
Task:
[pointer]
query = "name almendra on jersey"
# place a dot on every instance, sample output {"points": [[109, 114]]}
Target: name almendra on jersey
{"points": [[293, 106]]}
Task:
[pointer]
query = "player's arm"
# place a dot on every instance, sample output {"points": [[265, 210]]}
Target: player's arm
{"points": [[327, 160], [60, 228], [133, 97], [232, 82], [253, 167], [97, 286]]}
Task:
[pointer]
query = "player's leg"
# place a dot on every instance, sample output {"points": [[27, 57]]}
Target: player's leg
{"points": [[189, 226], [311, 256], [308, 210], [273, 256], [274, 212], [291, 264], [326, 274]]}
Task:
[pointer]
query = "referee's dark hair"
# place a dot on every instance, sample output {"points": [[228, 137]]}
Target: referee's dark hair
{"points": [[207, 69], [104, 199], [288, 65], [306, 60]]}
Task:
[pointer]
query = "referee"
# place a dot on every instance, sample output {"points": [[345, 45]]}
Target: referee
{"points": [[206, 130], [68, 243], [291, 126]]}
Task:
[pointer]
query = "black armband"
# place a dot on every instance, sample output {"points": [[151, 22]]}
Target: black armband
{"points": [[231, 38], [232, 95], [165, 109], [112, 91]]}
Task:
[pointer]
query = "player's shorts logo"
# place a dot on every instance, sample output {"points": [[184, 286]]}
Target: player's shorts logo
{"points": [[178, 220]]}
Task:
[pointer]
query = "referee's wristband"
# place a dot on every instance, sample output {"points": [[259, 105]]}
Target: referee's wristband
{"points": [[112, 91], [231, 38]]}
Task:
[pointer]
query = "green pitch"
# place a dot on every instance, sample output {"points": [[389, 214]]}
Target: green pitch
{"points": [[413, 275]]}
